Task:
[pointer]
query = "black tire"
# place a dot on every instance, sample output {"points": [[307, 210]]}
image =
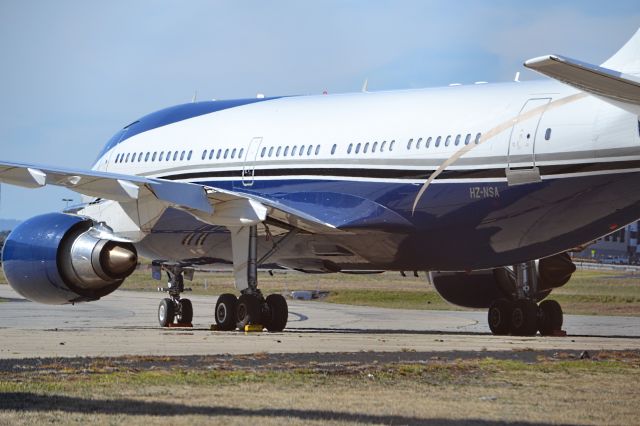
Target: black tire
{"points": [[248, 311], [166, 312], [524, 318], [278, 312], [225, 313], [550, 317], [499, 317], [185, 316]]}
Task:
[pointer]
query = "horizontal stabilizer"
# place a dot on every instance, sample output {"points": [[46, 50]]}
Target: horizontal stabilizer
{"points": [[621, 90]]}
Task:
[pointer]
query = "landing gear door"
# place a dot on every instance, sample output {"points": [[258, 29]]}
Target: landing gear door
{"points": [[249, 166], [522, 168]]}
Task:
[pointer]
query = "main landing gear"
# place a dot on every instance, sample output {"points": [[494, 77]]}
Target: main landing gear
{"points": [[522, 316], [174, 310], [251, 308], [231, 312]]}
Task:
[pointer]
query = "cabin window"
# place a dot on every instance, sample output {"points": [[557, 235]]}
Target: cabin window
{"points": [[366, 147], [189, 155], [309, 150], [161, 156], [375, 145], [391, 144], [478, 136], [286, 151], [301, 150], [418, 143], [349, 149], [384, 143], [126, 159], [240, 153], [358, 148], [219, 154], [547, 133], [317, 149], [270, 152], [168, 155], [146, 157], [211, 153], [204, 154], [438, 139], [153, 157], [140, 157], [117, 157], [264, 151], [409, 143], [175, 155], [428, 142], [226, 153], [457, 140], [278, 151], [294, 150], [467, 139], [182, 154], [333, 149], [446, 142]]}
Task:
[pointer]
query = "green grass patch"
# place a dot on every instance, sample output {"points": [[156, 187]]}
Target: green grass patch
{"points": [[400, 299]]}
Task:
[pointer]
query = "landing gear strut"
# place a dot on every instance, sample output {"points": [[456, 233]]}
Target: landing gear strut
{"points": [[174, 309], [521, 316], [251, 307]]}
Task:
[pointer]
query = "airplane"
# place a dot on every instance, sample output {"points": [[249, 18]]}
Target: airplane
{"points": [[486, 186]]}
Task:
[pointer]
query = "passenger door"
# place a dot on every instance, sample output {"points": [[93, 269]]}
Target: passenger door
{"points": [[521, 156], [249, 166]]}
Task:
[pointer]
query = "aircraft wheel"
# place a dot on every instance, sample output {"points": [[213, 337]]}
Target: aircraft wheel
{"points": [[185, 314], [166, 312], [248, 310], [549, 317], [499, 317], [524, 318], [278, 313], [226, 312]]}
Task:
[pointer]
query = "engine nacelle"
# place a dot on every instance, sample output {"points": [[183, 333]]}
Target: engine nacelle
{"points": [[58, 258], [478, 289]]}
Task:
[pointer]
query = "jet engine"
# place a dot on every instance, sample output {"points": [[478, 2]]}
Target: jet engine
{"points": [[478, 289], [59, 258]]}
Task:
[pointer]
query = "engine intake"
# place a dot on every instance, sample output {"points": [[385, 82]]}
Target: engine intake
{"points": [[59, 258]]}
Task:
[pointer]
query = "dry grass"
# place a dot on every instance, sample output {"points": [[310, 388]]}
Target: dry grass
{"points": [[554, 391]]}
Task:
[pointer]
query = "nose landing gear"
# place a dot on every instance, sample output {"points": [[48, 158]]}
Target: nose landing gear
{"points": [[173, 310]]}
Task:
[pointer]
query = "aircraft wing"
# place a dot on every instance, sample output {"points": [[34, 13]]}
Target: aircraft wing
{"points": [[105, 185], [211, 204], [621, 90]]}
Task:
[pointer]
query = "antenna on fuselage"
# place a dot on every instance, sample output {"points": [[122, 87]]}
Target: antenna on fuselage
{"points": [[517, 77], [195, 96], [365, 86]]}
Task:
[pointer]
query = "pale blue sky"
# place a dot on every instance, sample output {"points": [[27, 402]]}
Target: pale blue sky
{"points": [[73, 72]]}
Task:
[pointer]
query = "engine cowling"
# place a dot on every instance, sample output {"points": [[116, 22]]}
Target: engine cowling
{"points": [[59, 258], [478, 289]]}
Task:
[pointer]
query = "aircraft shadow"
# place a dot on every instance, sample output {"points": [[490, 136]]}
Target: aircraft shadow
{"points": [[32, 402]]}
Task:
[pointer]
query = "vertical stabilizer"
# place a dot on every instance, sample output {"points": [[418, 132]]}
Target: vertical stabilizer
{"points": [[627, 59]]}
